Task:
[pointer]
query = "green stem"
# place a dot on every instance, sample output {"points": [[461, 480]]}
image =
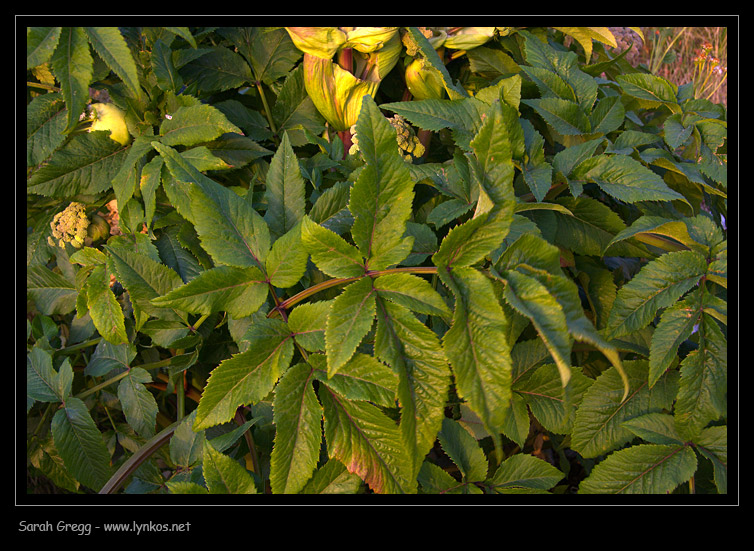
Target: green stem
{"points": [[119, 376], [42, 85], [79, 346], [267, 111]]}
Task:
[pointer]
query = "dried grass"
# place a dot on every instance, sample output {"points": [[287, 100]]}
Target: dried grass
{"points": [[687, 48]]}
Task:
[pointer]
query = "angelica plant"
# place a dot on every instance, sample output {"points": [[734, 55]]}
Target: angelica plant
{"points": [[304, 296]]}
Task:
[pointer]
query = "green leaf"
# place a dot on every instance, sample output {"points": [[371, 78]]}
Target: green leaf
{"points": [[551, 405], [165, 72], [73, 67], [522, 473], [349, 320], [330, 252], [643, 469], [80, 444], [647, 229], [287, 260], [107, 315], [247, 377], [712, 443], [45, 122], [630, 181], [675, 326], [298, 431], [41, 377], [231, 231], [657, 285], [113, 49], [463, 450], [193, 124], [361, 378], [284, 190], [139, 405], [416, 356], [654, 90], [144, 278], [565, 117], [333, 478], [382, 195], [462, 116], [412, 292], [598, 423], [86, 164], [238, 291], [655, 428], [367, 442], [223, 475], [703, 387], [608, 115], [108, 356], [532, 299], [186, 446], [307, 322], [51, 292], [477, 346], [40, 44], [217, 70]]}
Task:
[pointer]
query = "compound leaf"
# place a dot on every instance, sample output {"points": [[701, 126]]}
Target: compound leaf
{"points": [[657, 285], [247, 377], [238, 291], [598, 423], [382, 195], [330, 252]]}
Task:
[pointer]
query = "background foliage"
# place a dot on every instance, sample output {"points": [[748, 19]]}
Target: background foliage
{"points": [[373, 260]]}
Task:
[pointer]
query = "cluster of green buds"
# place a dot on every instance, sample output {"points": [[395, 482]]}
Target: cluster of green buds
{"points": [[363, 56], [409, 146], [69, 226], [73, 226]]}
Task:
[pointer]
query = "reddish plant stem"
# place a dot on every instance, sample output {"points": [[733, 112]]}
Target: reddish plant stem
{"points": [[295, 299]]}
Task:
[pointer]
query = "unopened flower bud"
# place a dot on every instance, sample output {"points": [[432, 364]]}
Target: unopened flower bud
{"points": [[98, 228], [106, 116], [467, 38], [423, 82]]}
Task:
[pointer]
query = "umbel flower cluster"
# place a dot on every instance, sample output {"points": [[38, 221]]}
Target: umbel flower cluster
{"points": [[409, 145], [69, 226]]}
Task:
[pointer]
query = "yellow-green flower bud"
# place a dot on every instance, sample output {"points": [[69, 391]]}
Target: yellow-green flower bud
{"points": [[467, 38], [369, 39], [336, 93], [321, 42], [424, 82], [105, 116]]}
